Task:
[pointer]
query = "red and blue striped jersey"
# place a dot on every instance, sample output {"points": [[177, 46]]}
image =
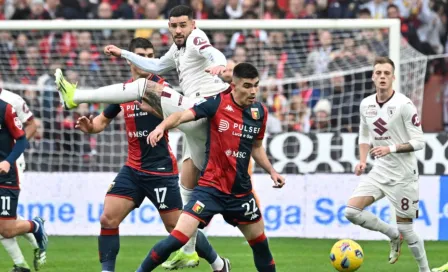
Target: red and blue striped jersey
{"points": [[158, 160], [11, 129], [231, 136]]}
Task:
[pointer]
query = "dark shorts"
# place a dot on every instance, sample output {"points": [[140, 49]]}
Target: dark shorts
{"points": [[9, 199], [206, 202], [163, 191]]}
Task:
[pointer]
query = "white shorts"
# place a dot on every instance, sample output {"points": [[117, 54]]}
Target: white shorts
{"points": [[195, 131], [403, 196]]}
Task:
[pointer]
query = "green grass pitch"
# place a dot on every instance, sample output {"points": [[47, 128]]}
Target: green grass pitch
{"points": [[80, 254]]}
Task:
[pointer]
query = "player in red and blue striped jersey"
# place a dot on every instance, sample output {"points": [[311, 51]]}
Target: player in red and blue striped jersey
{"points": [[236, 129], [12, 144], [149, 172]]}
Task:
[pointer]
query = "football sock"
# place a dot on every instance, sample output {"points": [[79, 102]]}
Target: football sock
{"points": [[264, 262], [415, 244], [108, 246], [369, 221], [206, 251], [190, 246], [11, 246], [112, 94], [162, 250], [29, 237]]}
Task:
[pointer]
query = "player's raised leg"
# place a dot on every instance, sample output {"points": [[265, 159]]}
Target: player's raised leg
{"points": [[364, 195]]}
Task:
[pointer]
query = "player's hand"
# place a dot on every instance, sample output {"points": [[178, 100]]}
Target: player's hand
{"points": [[379, 151], [279, 181], [112, 50], [155, 136], [216, 70], [85, 124], [4, 167], [360, 168]]}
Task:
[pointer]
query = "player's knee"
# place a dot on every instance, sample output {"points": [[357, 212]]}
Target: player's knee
{"points": [[170, 226], [352, 213], [7, 232], [108, 221]]}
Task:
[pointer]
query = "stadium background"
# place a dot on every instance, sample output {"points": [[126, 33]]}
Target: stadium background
{"points": [[312, 129]]}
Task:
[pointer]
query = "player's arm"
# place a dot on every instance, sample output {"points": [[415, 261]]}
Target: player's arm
{"points": [[261, 158], [156, 66], [99, 123], [25, 116], [364, 146], [202, 109], [14, 127], [202, 45], [414, 129], [30, 128]]}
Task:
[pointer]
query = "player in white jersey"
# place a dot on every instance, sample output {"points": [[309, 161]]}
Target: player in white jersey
{"points": [[11, 246], [198, 65], [389, 123]]}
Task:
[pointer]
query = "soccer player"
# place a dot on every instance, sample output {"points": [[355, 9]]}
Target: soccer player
{"points": [[198, 65], [236, 129], [12, 145], [149, 172], [390, 123], [443, 268], [26, 117]]}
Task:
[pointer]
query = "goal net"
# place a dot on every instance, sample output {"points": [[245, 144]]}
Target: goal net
{"points": [[314, 74]]}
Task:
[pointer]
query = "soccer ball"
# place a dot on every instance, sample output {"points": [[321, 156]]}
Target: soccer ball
{"points": [[346, 255]]}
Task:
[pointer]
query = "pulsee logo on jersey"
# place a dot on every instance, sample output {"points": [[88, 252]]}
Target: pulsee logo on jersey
{"points": [[238, 130]]}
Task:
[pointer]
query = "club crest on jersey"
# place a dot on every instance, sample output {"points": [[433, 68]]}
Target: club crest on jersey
{"points": [[18, 123], [255, 113], [391, 110], [198, 207]]}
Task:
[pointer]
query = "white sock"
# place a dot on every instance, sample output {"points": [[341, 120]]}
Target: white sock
{"points": [[370, 221], [415, 244], [190, 246], [218, 264], [112, 94], [29, 236], [13, 249]]}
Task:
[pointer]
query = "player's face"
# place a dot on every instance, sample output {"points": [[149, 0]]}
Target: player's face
{"points": [[245, 90], [180, 28], [144, 52], [383, 76]]}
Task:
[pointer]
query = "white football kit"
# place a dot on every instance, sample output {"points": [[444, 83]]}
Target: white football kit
{"points": [[24, 115], [395, 175], [190, 61]]}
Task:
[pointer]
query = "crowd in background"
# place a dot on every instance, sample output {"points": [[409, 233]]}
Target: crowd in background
{"points": [[305, 104]]}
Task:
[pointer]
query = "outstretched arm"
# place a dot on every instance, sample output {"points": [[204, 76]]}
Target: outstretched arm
{"points": [[261, 158], [172, 121]]}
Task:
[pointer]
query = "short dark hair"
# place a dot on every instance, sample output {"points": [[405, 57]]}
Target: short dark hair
{"points": [[392, 6], [383, 60], [140, 43], [365, 11], [181, 10], [245, 70]]}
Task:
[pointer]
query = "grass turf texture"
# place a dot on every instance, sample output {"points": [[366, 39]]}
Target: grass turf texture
{"points": [[80, 254]]}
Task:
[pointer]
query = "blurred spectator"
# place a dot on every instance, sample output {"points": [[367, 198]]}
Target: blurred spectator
{"points": [[342, 9], [318, 60], [151, 13], [320, 122], [408, 29], [199, 10], [297, 116], [377, 8], [272, 10], [430, 29], [364, 13], [88, 70], [240, 54], [296, 9], [84, 42], [54, 9], [38, 11], [309, 95], [218, 10], [221, 43], [234, 9]]}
